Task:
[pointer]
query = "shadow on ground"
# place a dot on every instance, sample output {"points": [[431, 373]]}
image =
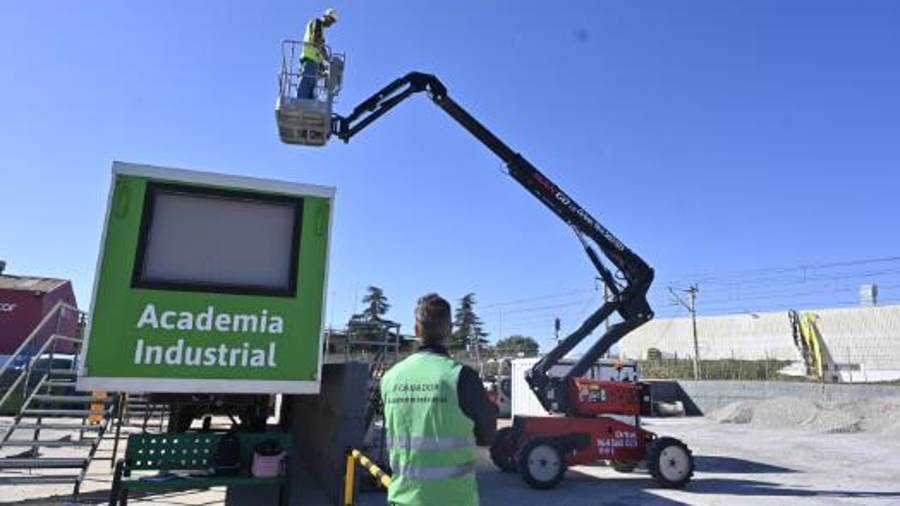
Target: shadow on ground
{"points": [[730, 465], [763, 488]]}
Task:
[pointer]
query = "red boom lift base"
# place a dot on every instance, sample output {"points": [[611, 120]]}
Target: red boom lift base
{"points": [[541, 448]]}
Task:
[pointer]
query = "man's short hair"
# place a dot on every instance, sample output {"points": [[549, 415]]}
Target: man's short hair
{"points": [[433, 319]]}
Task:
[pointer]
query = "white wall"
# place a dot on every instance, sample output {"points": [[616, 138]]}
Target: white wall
{"points": [[863, 336]]}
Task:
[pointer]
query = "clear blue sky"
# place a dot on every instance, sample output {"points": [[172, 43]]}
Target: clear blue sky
{"points": [[714, 136]]}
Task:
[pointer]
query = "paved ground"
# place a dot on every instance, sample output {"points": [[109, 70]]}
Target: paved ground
{"points": [[735, 465]]}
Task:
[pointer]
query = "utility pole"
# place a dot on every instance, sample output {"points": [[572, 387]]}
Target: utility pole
{"points": [[691, 306], [556, 326], [472, 345]]}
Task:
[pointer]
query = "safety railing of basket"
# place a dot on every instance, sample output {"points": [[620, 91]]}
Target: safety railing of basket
{"points": [[328, 81]]}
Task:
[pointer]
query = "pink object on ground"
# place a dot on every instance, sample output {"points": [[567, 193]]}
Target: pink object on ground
{"points": [[267, 466]]}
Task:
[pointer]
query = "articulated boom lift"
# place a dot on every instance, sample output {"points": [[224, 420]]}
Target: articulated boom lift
{"points": [[541, 448]]}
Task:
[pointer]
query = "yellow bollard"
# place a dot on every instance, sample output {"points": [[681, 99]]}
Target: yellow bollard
{"points": [[349, 478], [373, 469]]}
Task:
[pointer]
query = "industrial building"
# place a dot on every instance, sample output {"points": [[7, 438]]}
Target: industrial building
{"points": [[24, 302], [860, 341]]}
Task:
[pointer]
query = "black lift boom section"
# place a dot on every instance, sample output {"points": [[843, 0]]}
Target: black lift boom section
{"points": [[628, 289]]}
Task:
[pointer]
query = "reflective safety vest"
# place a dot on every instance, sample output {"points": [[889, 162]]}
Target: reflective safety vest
{"points": [[313, 42], [431, 445]]}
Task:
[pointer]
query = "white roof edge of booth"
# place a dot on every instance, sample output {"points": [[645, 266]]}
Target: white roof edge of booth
{"points": [[219, 179], [186, 385]]}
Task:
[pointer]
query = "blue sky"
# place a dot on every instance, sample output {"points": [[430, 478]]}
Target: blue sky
{"points": [[711, 136]]}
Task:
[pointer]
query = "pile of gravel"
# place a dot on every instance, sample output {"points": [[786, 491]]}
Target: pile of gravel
{"points": [[879, 416], [784, 413], [736, 412]]}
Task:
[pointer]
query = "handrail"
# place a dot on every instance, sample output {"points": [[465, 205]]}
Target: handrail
{"points": [[34, 333], [31, 360], [290, 74]]}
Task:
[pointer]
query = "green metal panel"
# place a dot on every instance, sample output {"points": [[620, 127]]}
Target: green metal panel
{"points": [[129, 351], [191, 450], [172, 451]]}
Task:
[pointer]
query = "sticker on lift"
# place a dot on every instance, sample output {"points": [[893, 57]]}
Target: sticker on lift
{"points": [[620, 439], [591, 393]]}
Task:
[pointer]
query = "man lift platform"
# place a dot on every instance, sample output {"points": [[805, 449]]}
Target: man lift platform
{"points": [[309, 80]]}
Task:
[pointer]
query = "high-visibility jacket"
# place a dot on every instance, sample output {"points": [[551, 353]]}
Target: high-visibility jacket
{"points": [[314, 41], [431, 446]]}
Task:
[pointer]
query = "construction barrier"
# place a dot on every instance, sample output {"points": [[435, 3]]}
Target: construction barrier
{"points": [[353, 457]]}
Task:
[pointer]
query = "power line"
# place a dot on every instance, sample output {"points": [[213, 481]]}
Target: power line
{"points": [[711, 277], [532, 299]]}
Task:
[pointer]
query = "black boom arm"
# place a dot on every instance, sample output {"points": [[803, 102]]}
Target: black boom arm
{"points": [[628, 299]]}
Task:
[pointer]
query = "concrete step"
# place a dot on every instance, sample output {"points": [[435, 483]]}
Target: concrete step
{"points": [[63, 372], [63, 412], [57, 426], [46, 444], [42, 463], [60, 383], [72, 399], [34, 479], [141, 413]]}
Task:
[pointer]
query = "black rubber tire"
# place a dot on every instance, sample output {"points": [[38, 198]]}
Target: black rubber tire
{"points": [[525, 455], [623, 466], [503, 450], [657, 463]]}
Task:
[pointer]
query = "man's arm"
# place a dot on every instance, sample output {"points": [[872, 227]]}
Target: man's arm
{"points": [[475, 404]]}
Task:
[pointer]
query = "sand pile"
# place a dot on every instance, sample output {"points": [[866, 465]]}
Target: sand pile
{"points": [[879, 416], [736, 412]]}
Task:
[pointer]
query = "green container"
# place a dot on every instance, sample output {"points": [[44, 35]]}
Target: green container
{"points": [[208, 283]]}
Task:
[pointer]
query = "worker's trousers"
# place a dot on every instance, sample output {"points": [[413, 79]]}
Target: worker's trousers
{"points": [[309, 71]]}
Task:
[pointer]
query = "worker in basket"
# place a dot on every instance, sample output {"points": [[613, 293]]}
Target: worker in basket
{"points": [[435, 414], [314, 54]]}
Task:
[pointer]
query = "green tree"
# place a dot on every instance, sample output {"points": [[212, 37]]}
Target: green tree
{"points": [[376, 304], [516, 344], [469, 328], [370, 324]]}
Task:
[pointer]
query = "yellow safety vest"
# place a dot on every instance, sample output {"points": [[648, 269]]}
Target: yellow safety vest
{"points": [[430, 442], [313, 42]]}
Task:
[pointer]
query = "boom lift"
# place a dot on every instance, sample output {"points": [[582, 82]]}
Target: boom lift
{"points": [[577, 432]]}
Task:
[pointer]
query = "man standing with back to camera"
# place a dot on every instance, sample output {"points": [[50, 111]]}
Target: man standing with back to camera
{"points": [[435, 413]]}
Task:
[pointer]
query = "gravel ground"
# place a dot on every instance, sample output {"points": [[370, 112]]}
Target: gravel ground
{"points": [[736, 464]]}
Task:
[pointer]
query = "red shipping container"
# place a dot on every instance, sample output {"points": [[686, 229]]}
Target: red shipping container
{"points": [[24, 302]]}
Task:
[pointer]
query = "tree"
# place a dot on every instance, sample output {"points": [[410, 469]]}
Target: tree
{"points": [[516, 344], [376, 304], [469, 327], [370, 324]]}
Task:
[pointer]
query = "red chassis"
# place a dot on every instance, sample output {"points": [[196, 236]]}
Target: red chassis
{"points": [[586, 440], [541, 448]]}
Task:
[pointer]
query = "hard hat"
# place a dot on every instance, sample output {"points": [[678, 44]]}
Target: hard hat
{"points": [[331, 13]]}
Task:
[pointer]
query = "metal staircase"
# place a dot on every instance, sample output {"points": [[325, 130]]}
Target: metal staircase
{"points": [[56, 431]]}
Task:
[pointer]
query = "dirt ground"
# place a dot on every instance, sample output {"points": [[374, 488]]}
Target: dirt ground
{"points": [[736, 464]]}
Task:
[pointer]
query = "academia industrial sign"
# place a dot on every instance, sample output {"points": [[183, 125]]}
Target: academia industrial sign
{"points": [[261, 355], [208, 283]]}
